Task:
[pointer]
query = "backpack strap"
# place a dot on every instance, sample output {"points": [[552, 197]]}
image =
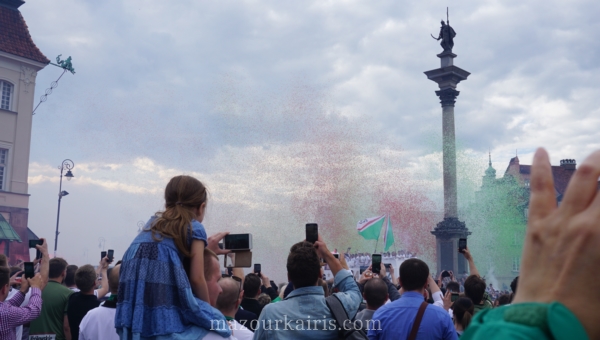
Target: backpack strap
{"points": [[337, 310], [417, 323]]}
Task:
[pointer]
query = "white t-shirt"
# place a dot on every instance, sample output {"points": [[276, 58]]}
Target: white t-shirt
{"points": [[99, 323]]}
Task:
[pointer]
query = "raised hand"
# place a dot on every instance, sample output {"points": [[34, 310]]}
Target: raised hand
{"points": [[561, 246]]}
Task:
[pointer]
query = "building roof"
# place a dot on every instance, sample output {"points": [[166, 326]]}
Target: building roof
{"points": [[31, 235], [14, 34], [561, 173], [7, 232]]}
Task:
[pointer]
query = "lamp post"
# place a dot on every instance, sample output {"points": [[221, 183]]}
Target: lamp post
{"points": [[140, 225], [67, 164]]}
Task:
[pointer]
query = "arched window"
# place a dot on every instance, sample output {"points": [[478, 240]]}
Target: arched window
{"points": [[6, 91]]}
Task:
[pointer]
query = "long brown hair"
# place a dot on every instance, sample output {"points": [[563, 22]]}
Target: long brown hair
{"points": [[463, 310], [183, 196]]}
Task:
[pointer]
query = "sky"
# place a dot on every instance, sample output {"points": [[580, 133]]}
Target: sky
{"points": [[293, 112]]}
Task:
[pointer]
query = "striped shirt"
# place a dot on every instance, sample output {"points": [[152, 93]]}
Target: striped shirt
{"points": [[12, 315]]}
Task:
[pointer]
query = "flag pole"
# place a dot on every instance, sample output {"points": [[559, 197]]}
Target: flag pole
{"points": [[377, 242]]}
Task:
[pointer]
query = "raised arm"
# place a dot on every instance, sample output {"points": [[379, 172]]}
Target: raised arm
{"points": [[472, 269], [44, 263], [104, 271]]}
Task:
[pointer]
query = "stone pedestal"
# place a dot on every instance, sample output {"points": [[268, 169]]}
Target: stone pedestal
{"points": [[448, 231]]}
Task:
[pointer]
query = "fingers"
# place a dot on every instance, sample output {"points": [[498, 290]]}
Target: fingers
{"points": [[583, 185], [543, 200]]}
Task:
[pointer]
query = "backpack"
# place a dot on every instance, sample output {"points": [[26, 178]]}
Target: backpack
{"points": [[346, 328]]}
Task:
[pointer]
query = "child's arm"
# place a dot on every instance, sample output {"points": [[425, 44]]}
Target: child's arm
{"points": [[197, 280]]}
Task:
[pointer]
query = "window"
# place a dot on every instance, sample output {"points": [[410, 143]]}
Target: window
{"points": [[516, 264], [6, 90], [3, 161]]}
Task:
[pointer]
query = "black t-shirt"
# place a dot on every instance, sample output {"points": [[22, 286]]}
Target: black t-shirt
{"points": [[79, 305]]}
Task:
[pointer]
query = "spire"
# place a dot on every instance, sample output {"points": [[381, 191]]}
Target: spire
{"points": [[490, 154]]}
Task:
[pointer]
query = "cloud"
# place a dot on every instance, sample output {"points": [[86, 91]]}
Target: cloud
{"points": [[236, 91]]}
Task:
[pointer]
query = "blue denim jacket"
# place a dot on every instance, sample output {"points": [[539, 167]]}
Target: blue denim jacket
{"points": [[305, 315]]}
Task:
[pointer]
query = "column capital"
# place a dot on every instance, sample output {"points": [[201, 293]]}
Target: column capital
{"points": [[447, 96]]}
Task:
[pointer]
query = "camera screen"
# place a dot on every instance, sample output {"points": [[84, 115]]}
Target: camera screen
{"points": [[462, 243], [237, 241], [312, 232]]}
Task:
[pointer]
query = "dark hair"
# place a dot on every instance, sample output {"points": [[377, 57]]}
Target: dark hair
{"points": [[453, 287], [4, 276], [375, 292], [251, 285], [70, 278], [474, 288], [303, 265], [57, 267], [85, 278], [503, 299], [183, 194], [413, 274], [3, 261], [513, 284], [463, 310]]}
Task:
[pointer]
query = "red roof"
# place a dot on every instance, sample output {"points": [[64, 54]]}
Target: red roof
{"points": [[14, 34]]}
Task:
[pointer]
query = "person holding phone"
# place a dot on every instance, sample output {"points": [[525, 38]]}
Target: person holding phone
{"points": [[169, 252], [22, 306]]}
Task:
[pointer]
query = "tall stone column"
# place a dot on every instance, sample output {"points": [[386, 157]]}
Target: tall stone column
{"points": [[448, 231]]}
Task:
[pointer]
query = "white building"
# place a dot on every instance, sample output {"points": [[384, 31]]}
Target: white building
{"points": [[20, 60]]}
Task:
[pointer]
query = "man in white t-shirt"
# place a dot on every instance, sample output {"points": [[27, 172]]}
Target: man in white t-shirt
{"points": [[228, 303], [99, 323]]}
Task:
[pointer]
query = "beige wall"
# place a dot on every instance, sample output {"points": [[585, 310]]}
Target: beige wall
{"points": [[15, 127]]}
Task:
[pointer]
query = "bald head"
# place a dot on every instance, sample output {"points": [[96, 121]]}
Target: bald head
{"points": [[228, 300], [113, 279]]}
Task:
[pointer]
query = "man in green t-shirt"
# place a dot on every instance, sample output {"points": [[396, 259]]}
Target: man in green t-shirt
{"points": [[52, 322]]}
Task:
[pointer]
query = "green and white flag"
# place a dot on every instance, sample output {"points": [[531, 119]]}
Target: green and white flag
{"points": [[370, 228], [388, 237]]}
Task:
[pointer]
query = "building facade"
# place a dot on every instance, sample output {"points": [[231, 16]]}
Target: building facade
{"points": [[20, 60], [500, 214]]}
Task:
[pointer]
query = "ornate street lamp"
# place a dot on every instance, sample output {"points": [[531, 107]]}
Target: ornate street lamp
{"points": [[67, 164], [140, 225]]}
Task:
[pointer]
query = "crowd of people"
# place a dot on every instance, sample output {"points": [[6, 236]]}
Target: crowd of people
{"points": [[170, 284]]}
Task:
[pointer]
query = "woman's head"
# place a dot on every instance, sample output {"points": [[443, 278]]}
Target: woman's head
{"points": [[463, 310], [185, 200]]}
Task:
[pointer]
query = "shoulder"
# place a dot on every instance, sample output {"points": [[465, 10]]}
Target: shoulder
{"points": [[438, 312], [198, 231]]}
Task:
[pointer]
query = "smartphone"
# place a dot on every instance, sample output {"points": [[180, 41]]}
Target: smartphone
{"points": [[239, 259], [102, 255], [454, 297], [462, 245], [110, 255], [337, 256], [387, 266], [238, 242], [32, 244], [312, 232], [257, 268], [29, 270], [376, 263], [363, 268]]}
